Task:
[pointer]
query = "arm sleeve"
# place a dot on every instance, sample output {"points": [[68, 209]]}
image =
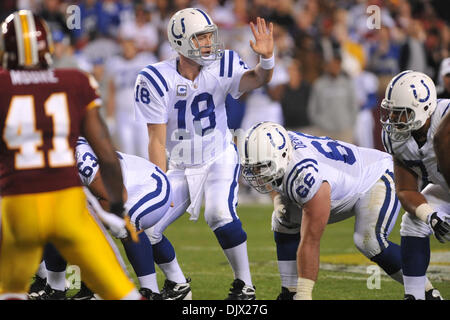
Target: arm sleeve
{"points": [[149, 104]]}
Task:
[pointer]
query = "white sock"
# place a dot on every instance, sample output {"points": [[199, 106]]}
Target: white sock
{"points": [[42, 271], [415, 286], [149, 281], [56, 280], [288, 274], [133, 295], [172, 271], [238, 259]]}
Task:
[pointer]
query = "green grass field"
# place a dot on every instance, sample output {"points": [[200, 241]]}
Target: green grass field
{"points": [[343, 274]]}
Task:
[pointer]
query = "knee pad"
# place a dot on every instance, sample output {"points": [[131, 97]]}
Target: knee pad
{"points": [[369, 247], [412, 226]]}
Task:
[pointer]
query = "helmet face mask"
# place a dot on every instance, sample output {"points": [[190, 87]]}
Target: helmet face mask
{"points": [[214, 49], [184, 30], [261, 176], [398, 122]]}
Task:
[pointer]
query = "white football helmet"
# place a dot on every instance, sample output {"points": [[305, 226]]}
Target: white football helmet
{"points": [[184, 26], [265, 152], [409, 101]]}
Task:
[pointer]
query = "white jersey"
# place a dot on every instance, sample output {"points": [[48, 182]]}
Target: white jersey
{"points": [[143, 180], [123, 72], [350, 170], [194, 111], [421, 160]]}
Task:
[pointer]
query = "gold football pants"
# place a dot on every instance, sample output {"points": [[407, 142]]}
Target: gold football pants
{"points": [[29, 221]]}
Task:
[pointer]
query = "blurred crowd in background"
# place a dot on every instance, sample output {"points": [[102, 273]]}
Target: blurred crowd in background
{"points": [[333, 60]]}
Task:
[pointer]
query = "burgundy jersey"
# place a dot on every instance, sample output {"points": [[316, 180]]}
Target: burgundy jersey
{"points": [[41, 114]]}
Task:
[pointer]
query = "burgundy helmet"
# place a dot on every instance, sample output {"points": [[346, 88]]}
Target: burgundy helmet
{"points": [[25, 42]]}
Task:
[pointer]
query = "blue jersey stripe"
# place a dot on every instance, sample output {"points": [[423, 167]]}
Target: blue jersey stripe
{"points": [[230, 64], [445, 111], [159, 204], [312, 162], [233, 186], [222, 66], [205, 15], [395, 81], [154, 83], [383, 211], [159, 75]]}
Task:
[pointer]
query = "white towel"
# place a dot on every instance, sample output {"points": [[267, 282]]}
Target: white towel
{"points": [[196, 178]]}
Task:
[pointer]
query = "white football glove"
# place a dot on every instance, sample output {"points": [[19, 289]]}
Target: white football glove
{"points": [[282, 214], [120, 228], [441, 228]]}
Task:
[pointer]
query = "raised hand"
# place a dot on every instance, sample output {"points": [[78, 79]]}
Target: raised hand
{"points": [[263, 44]]}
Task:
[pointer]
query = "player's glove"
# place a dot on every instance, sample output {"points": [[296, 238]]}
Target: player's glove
{"points": [[119, 225], [282, 214], [441, 228]]}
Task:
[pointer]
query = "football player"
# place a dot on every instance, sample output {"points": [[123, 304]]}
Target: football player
{"points": [[182, 101], [148, 198], [321, 181], [42, 113], [410, 116]]}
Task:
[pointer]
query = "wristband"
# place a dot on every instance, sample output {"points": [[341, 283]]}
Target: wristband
{"points": [[423, 211], [304, 289], [267, 64]]}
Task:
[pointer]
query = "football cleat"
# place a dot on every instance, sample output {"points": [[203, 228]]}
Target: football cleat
{"points": [[433, 294], [84, 294], [52, 294], [149, 294], [240, 291], [409, 297], [176, 291], [37, 288], [286, 294]]}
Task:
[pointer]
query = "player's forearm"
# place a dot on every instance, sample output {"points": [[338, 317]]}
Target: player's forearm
{"points": [[410, 200], [111, 175], [308, 259], [157, 154], [262, 76], [441, 142]]}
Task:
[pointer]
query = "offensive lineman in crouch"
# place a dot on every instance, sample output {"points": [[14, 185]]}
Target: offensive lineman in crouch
{"points": [[182, 101], [148, 197], [410, 115], [321, 181], [42, 113]]}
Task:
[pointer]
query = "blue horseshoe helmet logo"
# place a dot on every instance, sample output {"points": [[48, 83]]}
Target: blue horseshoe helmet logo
{"points": [[415, 93], [183, 29], [273, 143]]}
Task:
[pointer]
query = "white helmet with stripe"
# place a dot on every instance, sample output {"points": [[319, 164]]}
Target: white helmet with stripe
{"points": [[409, 101], [183, 29], [265, 152]]}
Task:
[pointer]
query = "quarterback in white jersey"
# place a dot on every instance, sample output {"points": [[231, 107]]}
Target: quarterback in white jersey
{"points": [[321, 181], [182, 101], [411, 116]]}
